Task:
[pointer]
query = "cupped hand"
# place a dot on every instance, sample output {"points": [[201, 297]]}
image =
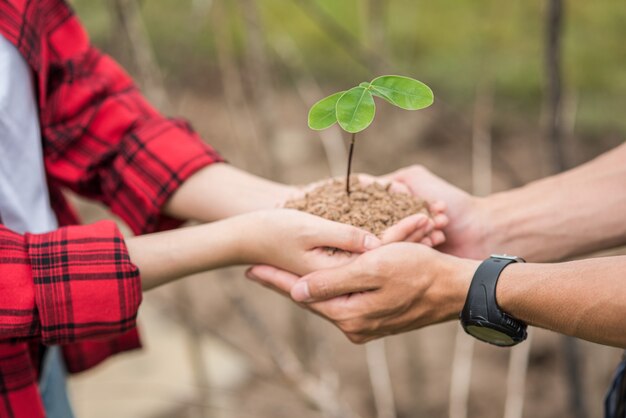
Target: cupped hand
{"points": [[466, 224], [393, 289], [299, 242]]}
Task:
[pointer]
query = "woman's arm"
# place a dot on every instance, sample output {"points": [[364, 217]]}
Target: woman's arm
{"points": [[71, 284], [219, 191], [83, 282], [293, 240]]}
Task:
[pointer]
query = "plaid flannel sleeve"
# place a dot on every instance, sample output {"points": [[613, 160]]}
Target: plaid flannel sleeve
{"points": [[103, 140], [71, 284]]}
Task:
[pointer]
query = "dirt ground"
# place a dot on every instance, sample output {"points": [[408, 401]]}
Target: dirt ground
{"points": [[204, 359]]}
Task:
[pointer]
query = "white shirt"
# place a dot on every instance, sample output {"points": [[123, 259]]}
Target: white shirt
{"points": [[24, 198]]}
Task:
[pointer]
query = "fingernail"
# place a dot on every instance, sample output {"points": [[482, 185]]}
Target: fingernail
{"points": [[371, 242], [300, 292]]}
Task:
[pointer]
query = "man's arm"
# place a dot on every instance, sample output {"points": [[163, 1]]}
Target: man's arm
{"points": [[572, 213], [584, 298], [401, 287]]}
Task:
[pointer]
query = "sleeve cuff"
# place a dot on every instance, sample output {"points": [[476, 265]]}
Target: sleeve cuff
{"points": [[85, 284], [160, 157]]}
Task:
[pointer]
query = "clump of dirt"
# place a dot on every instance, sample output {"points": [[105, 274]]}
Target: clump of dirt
{"points": [[372, 207]]}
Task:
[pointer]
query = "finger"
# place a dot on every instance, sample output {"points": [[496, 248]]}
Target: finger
{"points": [[390, 177], [408, 226], [427, 241], [279, 280], [416, 236], [328, 284], [323, 258], [349, 314], [437, 238], [367, 179], [344, 237], [437, 206], [394, 186], [397, 187], [441, 221]]}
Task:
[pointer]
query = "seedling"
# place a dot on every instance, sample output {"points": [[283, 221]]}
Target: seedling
{"points": [[354, 109]]}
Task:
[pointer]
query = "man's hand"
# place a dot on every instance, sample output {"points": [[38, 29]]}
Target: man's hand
{"points": [[393, 289], [467, 230]]}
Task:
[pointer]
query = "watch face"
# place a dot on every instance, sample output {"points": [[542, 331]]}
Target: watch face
{"points": [[490, 335]]}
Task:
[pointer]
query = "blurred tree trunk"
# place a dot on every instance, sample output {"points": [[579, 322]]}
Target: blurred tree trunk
{"points": [[380, 379], [254, 151], [482, 175], [257, 74], [129, 29], [516, 379], [554, 29], [554, 96]]}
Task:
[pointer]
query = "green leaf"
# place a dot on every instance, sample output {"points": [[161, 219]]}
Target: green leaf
{"points": [[403, 92], [381, 95], [322, 114], [355, 109], [365, 85]]}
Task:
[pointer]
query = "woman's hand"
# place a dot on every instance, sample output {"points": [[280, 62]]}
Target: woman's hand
{"points": [[299, 242], [295, 241]]}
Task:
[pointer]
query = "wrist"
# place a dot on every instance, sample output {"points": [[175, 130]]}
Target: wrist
{"points": [[245, 241], [521, 222], [507, 291], [501, 224], [472, 228], [257, 237], [459, 273]]}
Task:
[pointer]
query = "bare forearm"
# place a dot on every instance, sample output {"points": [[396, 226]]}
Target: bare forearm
{"points": [[220, 191], [576, 212], [166, 256], [585, 299]]}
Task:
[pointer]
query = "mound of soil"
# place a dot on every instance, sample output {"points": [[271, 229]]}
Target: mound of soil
{"points": [[372, 207]]}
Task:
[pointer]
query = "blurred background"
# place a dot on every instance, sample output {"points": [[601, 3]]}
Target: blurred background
{"points": [[522, 89]]}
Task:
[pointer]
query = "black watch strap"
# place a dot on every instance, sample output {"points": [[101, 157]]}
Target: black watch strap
{"points": [[481, 308]]}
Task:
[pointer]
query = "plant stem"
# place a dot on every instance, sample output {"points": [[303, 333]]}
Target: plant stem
{"points": [[350, 164]]}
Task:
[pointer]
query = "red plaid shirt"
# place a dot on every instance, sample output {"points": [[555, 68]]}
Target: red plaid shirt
{"points": [[76, 286]]}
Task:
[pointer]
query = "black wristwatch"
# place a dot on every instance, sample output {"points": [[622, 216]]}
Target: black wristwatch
{"points": [[481, 316]]}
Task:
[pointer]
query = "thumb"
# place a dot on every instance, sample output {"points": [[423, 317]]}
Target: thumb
{"points": [[344, 237], [328, 284]]}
